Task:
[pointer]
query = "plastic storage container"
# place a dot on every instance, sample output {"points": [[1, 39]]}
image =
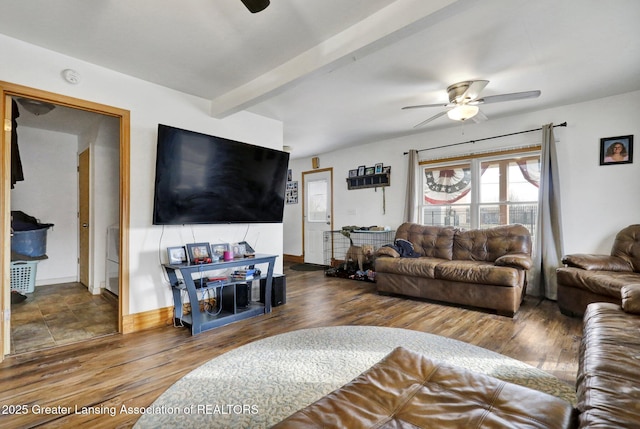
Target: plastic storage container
{"points": [[30, 243], [23, 276], [28, 236]]}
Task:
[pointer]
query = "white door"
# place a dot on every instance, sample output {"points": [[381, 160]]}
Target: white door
{"points": [[318, 213]]}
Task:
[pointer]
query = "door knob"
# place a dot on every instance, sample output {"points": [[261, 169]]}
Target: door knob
{"points": [[85, 225]]}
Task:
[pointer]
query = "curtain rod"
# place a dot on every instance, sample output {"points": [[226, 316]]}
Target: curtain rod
{"points": [[564, 124]]}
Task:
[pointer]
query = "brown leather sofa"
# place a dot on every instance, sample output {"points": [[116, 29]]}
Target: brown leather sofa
{"points": [[588, 278], [407, 389], [484, 268], [608, 382]]}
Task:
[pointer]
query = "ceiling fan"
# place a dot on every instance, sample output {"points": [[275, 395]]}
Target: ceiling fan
{"points": [[256, 6], [464, 99]]}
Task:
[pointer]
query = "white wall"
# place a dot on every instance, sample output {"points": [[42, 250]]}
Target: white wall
{"points": [[49, 193], [105, 195], [149, 104], [597, 201]]}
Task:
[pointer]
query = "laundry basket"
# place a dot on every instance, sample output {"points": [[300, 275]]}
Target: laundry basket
{"points": [[23, 276]]}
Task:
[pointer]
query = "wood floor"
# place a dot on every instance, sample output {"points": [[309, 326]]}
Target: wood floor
{"points": [[133, 370]]}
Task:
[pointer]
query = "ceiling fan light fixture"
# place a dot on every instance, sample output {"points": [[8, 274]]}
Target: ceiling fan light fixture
{"points": [[463, 112], [256, 6], [36, 107]]}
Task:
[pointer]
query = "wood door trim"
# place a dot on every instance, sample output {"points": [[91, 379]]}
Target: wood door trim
{"points": [[15, 90]]}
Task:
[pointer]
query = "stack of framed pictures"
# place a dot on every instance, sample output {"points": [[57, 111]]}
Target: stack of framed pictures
{"points": [[195, 253]]}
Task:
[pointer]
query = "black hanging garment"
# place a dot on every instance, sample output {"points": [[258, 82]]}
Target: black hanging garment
{"points": [[16, 165]]}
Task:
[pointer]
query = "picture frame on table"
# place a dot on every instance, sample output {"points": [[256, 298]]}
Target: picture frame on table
{"points": [[353, 173], [616, 150], [238, 249], [361, 170], [369, 171], [218, 249], [177, 255], [386, 169], [199, 252], [378, 168]]}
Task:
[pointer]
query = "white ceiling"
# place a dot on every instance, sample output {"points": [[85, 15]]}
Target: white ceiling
{"points": [[337, 72]]}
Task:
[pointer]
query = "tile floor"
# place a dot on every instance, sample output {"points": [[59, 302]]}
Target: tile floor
{"points": [[61, 314]]}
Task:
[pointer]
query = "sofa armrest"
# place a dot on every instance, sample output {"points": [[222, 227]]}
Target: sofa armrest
{"points": [[387, 251], [516, 260], [597, 262], [630, 295]]}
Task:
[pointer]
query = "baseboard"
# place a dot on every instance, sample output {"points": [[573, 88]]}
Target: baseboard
{"points": [[293, 258], [147, 320], [59, 280]]}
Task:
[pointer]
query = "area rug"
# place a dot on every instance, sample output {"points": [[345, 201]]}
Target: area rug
{"points": [[261, 383], [308, 267]]}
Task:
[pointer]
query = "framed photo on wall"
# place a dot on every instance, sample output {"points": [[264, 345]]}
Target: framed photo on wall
{"points": [[291, 193], [616, 150]]}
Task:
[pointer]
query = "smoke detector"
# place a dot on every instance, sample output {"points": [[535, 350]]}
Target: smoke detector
{"points": [[71, 76]]}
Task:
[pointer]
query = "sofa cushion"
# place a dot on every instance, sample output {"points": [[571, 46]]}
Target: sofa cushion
{"points": [[606, 283], [516, 260], [414, 267], [429, 241], [597, 262], [491, 243], [627, 246], [478, 272], [608, 384], [408, 390], [630, 295]]}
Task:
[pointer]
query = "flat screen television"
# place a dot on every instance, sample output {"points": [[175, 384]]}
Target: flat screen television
{"points": [[203, 179]]}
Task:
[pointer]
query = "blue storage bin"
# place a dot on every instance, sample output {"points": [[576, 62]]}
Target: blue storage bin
{"points": [[30, 243]]}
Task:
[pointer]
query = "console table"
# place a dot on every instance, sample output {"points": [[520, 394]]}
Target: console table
{"points": [[203, 320]]}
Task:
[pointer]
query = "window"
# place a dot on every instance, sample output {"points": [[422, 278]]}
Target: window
{"points": [[482, 191]]}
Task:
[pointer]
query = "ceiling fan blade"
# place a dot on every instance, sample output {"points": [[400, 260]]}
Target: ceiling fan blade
{"points": [[434, 117], [507, 97], [474, 90], [420, 106]]}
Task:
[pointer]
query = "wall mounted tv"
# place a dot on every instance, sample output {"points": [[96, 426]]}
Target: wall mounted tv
{"points": [[202, 179]]}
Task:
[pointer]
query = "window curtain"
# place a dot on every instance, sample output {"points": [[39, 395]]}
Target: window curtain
{"points": [[413, 187], [548, 244]]}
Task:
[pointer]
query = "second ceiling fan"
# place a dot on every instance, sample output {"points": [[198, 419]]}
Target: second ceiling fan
{"points": [[464, 99]]}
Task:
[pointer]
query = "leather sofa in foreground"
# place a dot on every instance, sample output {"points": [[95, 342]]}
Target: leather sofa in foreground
{"points": [[608, 382], [484, 268], [588, 278], [406, 389]]}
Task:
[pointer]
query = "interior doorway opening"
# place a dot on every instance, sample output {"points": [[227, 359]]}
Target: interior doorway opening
{"points": [[106, 133]]}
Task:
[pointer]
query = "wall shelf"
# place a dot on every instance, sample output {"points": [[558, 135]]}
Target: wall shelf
{"points": [[369, 181]]}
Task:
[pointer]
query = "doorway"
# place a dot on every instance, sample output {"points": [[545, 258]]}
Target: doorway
{"points": [[121, 118], [317, 213]]}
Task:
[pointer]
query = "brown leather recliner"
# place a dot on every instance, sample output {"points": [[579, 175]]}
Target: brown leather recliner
{"points": [[588, 278]]}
